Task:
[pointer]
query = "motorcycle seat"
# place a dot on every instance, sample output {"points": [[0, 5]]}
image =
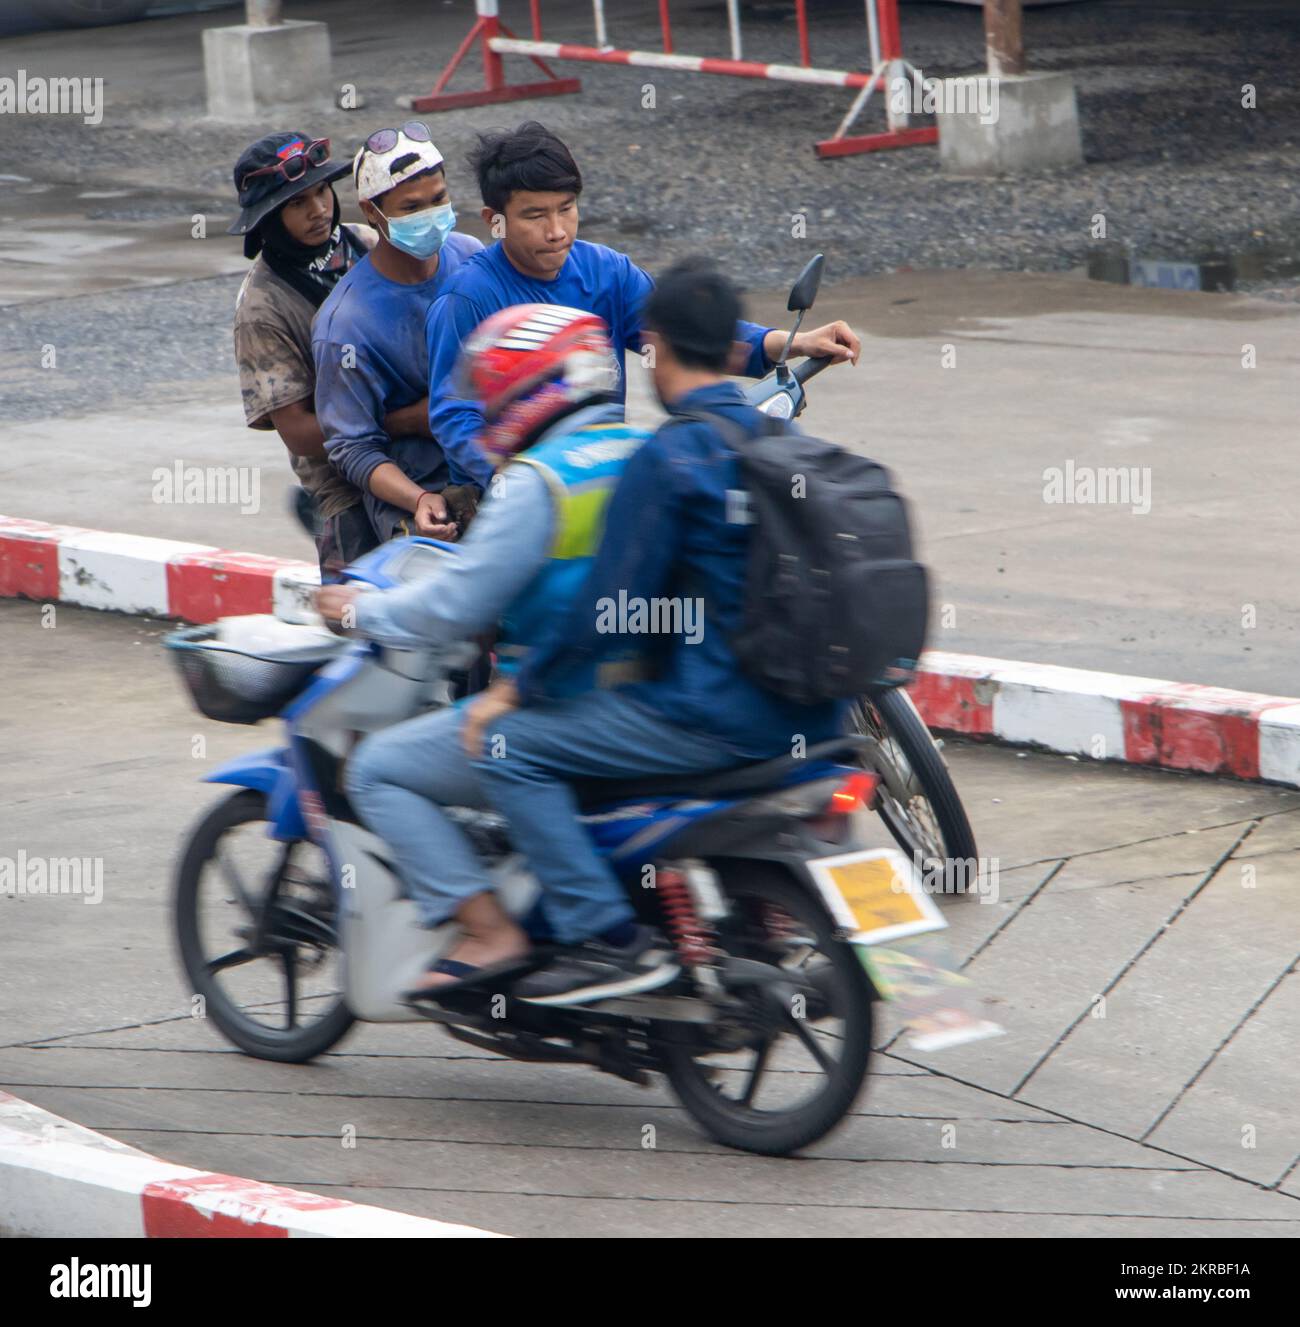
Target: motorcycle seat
{"points": [[756, 777]]}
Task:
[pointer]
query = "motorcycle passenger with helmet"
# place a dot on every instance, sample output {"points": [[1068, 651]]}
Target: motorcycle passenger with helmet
{"points": [[547, 378]]}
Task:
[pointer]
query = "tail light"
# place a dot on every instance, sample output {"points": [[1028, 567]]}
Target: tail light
{"points": [[812, 799], [854, 793]]}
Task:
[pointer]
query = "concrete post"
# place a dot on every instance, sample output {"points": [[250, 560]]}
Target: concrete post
{"points": [[1007, 122], [1013, 125], [265, 63]]}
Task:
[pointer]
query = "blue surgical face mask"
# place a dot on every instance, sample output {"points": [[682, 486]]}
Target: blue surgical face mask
{"points": [[421, 234]]}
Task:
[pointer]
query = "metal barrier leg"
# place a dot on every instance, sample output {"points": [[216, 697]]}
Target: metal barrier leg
{"points": [[495, 88], [890, 68]]}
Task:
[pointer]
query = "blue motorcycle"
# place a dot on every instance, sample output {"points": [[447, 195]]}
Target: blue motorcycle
{"points": [[293, 922]]}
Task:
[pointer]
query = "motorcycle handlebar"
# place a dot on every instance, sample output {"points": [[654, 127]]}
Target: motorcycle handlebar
{"points": [[809, 368]]}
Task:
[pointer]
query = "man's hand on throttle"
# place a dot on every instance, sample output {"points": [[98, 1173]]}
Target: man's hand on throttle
{"points": [[335, 604]]}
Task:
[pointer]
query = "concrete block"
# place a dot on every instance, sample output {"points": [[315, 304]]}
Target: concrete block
{"points": [[1030, 124], [249, 70]]}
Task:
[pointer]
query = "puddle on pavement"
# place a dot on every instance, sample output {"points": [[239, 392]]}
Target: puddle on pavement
{"points": [[61, 239], [58, 240]]}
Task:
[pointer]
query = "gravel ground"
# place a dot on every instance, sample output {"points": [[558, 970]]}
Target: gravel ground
{"points": [[720, 165]]}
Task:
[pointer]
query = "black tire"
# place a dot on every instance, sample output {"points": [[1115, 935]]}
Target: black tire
{"points": [[897, 717], [753, 887], [292, 1045]]}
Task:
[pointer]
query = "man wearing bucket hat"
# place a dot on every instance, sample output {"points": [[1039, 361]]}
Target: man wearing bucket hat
{"points": [[369, 342], [289, 219]]}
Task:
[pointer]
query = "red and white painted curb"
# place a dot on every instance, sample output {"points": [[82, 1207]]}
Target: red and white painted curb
{"points": [[1110, 716], [137, 574], [59, 1179], [1101, 716]]}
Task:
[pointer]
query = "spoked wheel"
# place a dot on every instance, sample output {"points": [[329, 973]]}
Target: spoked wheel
{"points": [[257, 926], [787, 1068], [916, 797]]}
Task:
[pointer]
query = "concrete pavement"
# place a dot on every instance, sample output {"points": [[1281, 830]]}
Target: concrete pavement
{"points": [[1142, 954], [1170, 1115]]}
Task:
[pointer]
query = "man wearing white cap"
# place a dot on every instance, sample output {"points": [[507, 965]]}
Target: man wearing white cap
{"points": [[369, 340]]}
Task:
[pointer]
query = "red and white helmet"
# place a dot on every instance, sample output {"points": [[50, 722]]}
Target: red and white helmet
{"points": [[529, 365]]}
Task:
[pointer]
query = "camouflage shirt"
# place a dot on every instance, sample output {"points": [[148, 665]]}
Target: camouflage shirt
{"points": [[273, 349]]}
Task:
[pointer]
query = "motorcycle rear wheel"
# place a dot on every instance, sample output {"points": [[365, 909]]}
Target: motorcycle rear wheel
{"points": [[302, 1023], [779, 917]]}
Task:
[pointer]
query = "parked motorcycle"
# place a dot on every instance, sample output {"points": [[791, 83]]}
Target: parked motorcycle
{"points": [[293, 922]]}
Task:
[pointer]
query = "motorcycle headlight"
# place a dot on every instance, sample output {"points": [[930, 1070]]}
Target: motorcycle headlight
{"points": [[779, 406]]}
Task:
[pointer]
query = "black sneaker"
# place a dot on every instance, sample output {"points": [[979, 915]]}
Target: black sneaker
{"points": [[594, 970]]}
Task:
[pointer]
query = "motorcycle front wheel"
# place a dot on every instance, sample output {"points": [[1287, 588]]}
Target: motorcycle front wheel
{"points": [[256, 925], [916, 797]]}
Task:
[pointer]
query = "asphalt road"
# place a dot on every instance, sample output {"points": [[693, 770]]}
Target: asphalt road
{"points": [[1171, 1115]]}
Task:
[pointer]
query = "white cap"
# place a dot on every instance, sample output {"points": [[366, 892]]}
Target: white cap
{"points": [[373, 173]]}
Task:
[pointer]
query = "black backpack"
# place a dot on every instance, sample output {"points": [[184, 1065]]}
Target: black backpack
{"points": [[835, 605]]}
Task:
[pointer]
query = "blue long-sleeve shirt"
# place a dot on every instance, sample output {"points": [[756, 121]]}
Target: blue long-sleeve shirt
{"points": [[675, 530], [593, 278], [371, 359], [506, 546]]}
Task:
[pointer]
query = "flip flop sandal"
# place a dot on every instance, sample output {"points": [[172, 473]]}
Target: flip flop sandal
{"points": [[467, 977]]}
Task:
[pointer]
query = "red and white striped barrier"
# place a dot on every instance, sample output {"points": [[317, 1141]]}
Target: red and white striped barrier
{"points": [[58, 1179], [1102, 716], [1110, 716], [137, 574], [884, 45]]}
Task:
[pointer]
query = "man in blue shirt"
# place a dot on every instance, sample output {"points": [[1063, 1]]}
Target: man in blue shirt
{"points": [[369, 345], [530, 185], [675, 536]]}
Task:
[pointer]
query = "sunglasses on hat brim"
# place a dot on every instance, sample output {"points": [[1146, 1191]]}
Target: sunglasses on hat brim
{"points": [[293, 167], [384, 140]]}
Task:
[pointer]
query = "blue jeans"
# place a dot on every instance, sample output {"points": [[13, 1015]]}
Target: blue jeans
{"points": [[399, 779], [600, 734]]}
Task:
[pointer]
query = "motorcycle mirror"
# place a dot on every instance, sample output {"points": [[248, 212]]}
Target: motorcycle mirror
{"points": [[804, 290]]}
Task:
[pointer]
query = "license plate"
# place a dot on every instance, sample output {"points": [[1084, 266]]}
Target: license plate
{"points": [[874, 896]]}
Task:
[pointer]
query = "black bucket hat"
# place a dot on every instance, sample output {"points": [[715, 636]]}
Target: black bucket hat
{"points": [[264, 193]]}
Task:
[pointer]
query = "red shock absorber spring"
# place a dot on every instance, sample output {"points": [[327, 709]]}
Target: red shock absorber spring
{"points": [[687, 931]]}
